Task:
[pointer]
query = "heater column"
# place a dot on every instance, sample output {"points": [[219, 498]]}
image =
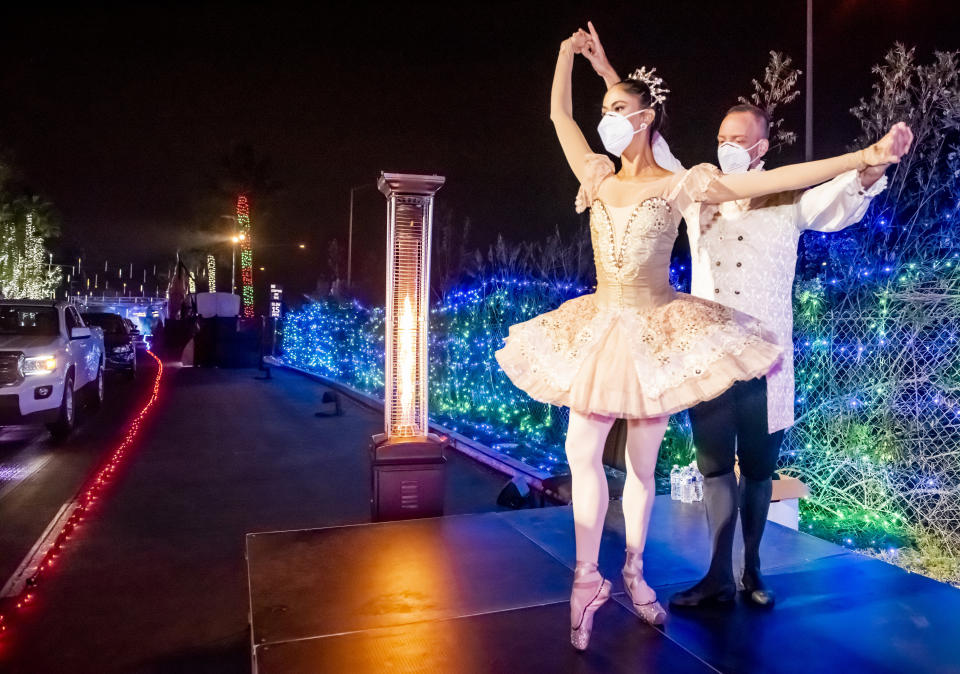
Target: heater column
{"points": [[407, 459]]}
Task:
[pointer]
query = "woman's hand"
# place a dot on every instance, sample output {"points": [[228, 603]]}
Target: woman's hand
{"points": [[890, 148], [578, 41], [593, 51]]}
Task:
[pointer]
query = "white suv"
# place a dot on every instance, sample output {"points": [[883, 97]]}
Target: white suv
{"points": [[47, 355]]}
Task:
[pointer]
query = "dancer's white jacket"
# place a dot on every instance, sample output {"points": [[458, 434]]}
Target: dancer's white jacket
{"points": [[744, 255]]}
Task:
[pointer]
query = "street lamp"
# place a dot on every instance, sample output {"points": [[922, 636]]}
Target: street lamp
{"points": [[233, 256]]}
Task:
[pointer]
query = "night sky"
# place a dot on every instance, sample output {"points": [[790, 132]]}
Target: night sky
{"points": [[116, 113]]}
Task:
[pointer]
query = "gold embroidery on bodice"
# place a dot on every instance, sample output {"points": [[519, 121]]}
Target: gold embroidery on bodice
{"points": [[634, 273]]}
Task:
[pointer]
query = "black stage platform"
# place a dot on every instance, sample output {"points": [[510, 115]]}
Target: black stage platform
{"points": [[489, 592]]}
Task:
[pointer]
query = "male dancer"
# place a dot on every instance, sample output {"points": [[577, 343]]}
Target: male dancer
{"points": [[745, 257]]}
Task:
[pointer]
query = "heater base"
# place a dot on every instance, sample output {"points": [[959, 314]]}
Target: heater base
{"points": [[407, 477]]}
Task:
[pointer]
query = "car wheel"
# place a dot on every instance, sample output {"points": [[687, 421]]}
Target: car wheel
{"points": [[66, 417], [96, 395], [132, 371]]}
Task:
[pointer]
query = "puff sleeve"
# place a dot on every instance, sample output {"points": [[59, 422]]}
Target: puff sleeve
{"points": [[599, 167], [693, 186]]}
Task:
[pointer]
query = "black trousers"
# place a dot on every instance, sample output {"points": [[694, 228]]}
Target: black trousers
{"points": [[735, 425]]}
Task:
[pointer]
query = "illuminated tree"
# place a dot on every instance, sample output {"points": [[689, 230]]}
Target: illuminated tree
{"points": [[243, 177], [25, 271], [246, 255], [211, 273]]}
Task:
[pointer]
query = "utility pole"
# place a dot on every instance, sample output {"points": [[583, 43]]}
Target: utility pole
{"points": [[350, 241], [350, 235], [808, 133]]}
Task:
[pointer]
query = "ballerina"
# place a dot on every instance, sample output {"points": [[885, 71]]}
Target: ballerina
{"points": [[746, 423], [636, 348]]}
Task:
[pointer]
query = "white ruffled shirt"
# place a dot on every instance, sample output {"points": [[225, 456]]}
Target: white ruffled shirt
{"points": [[746, 258]]}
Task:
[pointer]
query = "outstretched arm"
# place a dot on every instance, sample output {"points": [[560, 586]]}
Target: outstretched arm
{"points": [[575, 147], [838, 203], [888, 150]]}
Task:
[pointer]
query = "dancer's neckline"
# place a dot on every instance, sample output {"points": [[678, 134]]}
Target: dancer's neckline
{"points": [[655, 195]]}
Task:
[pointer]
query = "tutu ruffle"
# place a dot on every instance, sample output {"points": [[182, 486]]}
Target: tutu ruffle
{"points": [[635, 362]]}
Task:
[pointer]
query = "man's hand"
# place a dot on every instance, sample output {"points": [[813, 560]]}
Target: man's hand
{"points": [[593, 51], [579, 40], [890, 148], [871, 175]]}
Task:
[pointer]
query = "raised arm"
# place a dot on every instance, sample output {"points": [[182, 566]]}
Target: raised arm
{"points": [[594, 52], [575, 147], [888, 150]]}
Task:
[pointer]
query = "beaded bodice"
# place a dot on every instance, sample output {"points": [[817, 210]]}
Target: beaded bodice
{"points": [[631, 250]]}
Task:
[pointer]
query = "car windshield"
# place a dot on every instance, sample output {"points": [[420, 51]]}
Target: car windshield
{"points": [[27, 320], [111, 323]]}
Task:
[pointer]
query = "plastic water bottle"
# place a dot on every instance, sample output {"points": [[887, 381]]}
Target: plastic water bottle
{"points": [[694, 469], [687, 485], [675, 483]]}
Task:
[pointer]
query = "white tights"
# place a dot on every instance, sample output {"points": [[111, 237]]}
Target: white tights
{"points": [[586, 436]]}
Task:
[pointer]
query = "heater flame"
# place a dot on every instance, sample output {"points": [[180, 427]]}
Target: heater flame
{"points": [[407, 369]]}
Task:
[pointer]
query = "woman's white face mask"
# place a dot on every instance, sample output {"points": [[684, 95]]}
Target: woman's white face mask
{"points": [[616, 131], [733, 158]]}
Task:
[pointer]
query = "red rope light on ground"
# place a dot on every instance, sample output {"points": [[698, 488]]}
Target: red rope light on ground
{"points": [[85, 500]]}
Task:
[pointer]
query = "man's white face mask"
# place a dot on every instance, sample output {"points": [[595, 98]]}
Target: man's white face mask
{"points": [[733, 158]]}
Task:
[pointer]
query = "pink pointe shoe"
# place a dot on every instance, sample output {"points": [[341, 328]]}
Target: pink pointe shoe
{"points": [[642, 595], [590, 592]]}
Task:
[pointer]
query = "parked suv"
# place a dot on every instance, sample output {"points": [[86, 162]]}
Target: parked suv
{"points": [[134, 329], [119, 343], [47, 355]]}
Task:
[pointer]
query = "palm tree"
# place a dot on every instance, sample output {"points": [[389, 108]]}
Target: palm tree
{"points": [[241, 182]]}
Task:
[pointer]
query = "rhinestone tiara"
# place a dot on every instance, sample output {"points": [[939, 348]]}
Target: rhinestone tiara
{"points": [[657, 94]]}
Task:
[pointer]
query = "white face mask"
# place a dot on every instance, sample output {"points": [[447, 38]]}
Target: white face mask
{"points": [[733, 158], [616, 131]]}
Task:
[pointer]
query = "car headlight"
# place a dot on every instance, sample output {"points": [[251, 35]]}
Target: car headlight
{"points": [[123, 348], [39, 365]]}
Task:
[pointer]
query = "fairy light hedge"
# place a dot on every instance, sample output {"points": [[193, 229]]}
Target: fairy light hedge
{"points": [[468, 391], [877, 310], [877, 359]]}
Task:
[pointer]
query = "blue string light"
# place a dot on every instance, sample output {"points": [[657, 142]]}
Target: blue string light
{"points": [[845, 403]]}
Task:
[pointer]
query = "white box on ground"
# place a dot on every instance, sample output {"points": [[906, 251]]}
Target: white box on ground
{"points": [[786, 513], [210, 305], [785, 501], [228, 304]]}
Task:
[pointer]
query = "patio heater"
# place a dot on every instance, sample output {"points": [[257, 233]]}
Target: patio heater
{"points": [[407, 459]]}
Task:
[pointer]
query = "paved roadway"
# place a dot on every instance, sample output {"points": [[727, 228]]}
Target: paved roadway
{"points": [[155, 580], [37, 476]]}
